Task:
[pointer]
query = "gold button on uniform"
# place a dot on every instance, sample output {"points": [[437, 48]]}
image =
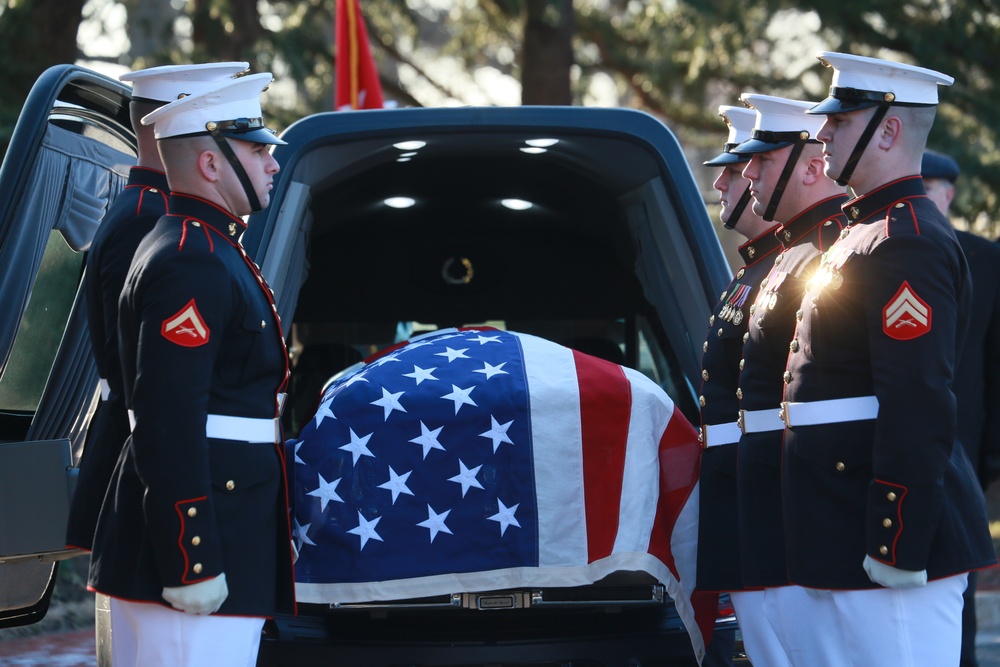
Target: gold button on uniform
{"points": [[739, 393], [891, 496], [704, 346], [887, 523], [702, 401], [883, 550], [192, 511], [195, 540], [840, 466], [794, 345], [786, 376], [230, 485], [746, 337], [197, 568], [263, 324], [742, 363], [704, 375]]}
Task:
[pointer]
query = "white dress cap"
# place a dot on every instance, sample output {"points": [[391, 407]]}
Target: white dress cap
{"points": [[860, 82], [779, 122], [171, 82], [232, 109], [740, 121]]}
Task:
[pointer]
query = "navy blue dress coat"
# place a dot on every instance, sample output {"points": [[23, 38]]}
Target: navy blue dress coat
{"points": [[772, 321], [884, 317], [719, 567], [198, 336], [129, 218]]}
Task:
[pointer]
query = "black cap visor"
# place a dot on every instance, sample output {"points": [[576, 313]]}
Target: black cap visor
{"points": [[843, 100], [764, 141], [247, 129]]}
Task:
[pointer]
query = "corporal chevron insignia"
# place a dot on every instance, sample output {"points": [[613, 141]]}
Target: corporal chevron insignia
{"points": [[906, 316], [186, 327]]}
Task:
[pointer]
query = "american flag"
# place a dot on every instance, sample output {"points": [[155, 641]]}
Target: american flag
{"points": [[478, 459]]}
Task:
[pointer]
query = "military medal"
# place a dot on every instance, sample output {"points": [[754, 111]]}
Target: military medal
{"points": [[735, 303], [838, 257]]}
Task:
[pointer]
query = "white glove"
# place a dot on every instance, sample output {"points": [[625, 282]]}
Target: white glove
{"points": [[892, 577], [200, 599]]}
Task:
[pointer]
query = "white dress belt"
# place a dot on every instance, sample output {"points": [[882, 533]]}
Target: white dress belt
{"points": [[761, 421], [105, 388], [246, 429], [714, 435], [832, 411]]}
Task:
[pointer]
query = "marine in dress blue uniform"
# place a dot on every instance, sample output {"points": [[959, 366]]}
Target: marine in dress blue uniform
{"points": [[197, 513], [718, 550], [881, 508], [805, 233], [786, 172], [718, 530], [132, 214]]}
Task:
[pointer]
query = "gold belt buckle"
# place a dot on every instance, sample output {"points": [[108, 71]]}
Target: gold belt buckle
{"points": [[783, 414], [703, 437], [741, 422]]}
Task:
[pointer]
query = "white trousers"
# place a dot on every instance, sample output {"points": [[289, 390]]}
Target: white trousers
{"points": [[807, 625], [760, 642], [151, 635], [912, 627]]}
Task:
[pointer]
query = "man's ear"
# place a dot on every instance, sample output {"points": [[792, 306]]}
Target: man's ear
{"points": [[815, 170], [890, 132], [208, 165]]}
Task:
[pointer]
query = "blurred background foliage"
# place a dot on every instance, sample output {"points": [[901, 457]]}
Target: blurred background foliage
{"points": [[677, 59]]}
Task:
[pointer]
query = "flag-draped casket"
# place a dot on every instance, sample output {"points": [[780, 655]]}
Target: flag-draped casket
{"points": [[479, 459]]}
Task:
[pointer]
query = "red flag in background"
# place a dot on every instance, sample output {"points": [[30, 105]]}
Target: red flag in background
{"points": [[357, 85]]}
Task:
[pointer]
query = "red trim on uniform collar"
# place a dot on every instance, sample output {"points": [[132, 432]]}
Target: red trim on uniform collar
{"points": [[760, 247]]}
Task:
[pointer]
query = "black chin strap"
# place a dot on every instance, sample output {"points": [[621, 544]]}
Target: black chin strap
{"points": [[734, 215], [859, 148], [241, 173], [786, 174]]}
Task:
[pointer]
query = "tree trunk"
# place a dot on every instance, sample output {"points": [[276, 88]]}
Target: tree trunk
{"points": [[547, 55], [226, 31]]}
